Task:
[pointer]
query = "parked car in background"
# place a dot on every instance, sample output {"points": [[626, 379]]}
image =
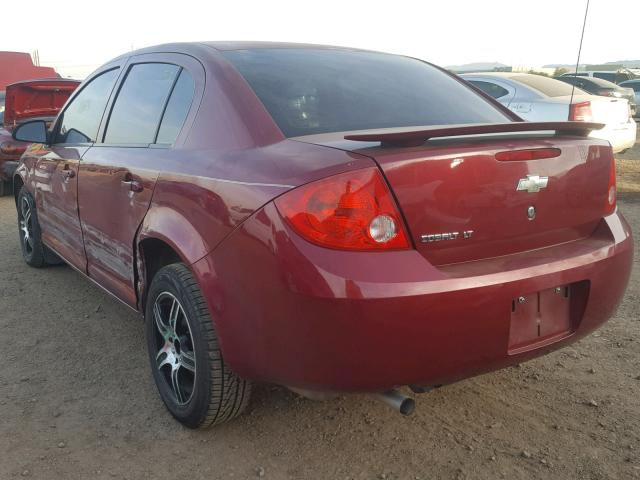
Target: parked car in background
{"points": [[635, 85], [328, 219], [611, 76], [536, 98], [18, 66], [31, 99], [604, 88]]}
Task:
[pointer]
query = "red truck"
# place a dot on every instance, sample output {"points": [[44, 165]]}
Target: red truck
{"points": [[31, 99]]}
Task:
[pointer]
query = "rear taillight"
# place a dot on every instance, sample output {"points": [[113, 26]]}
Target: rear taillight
{"points": [[581, 112], [12, 149], [610, 202], [350, 211], [528, 154]]}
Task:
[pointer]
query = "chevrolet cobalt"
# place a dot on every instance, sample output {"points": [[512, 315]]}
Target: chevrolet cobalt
{"points": [[327, 219]]}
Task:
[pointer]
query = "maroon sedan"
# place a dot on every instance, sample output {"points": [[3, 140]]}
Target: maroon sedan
{"points": [[328, 219]]}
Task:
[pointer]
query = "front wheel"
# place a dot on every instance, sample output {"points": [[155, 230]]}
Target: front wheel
{"points": [[194, 382], [33, 250]]}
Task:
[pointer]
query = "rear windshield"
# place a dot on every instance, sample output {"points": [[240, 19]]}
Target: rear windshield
{"points": [[309, 91], [549, 87]]}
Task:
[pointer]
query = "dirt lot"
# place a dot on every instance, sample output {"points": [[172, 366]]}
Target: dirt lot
{"points": [[77, 402]]}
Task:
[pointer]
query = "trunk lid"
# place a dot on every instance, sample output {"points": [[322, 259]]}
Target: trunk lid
{"points": [[461, 204], [36, 98]]}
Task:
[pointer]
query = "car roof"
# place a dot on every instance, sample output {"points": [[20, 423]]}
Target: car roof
{"points": [[194, 47], [601, 82], [517, 78], [493, 74], [603, 71], [252, 45]]}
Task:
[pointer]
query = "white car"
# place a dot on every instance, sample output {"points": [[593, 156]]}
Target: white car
{"points": [[536, 98], [635, 84]]}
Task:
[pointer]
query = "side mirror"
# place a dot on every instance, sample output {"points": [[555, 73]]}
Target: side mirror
{"points": [[34, 131]]}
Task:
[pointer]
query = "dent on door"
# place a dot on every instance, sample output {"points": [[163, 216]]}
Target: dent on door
{"points": [[113, 199]]}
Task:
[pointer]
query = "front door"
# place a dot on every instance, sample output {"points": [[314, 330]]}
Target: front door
{"points": [[117, 175], [56, 187], [57, 168]]}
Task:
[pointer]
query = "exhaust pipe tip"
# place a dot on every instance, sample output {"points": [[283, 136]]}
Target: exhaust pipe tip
{"points": [[396, 400], [407, 406]]}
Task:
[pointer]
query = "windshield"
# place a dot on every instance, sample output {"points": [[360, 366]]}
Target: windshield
{"points": [[549, 87], [309, 91]]}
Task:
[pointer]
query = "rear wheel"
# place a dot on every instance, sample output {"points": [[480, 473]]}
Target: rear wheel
{"points": [[194, 382]]}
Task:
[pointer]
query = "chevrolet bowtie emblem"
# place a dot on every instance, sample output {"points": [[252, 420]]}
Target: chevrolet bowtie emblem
{"points": [[532, 184]]}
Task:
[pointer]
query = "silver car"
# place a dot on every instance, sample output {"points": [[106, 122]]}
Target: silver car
{"points": [[536, 98], [635, 84]]}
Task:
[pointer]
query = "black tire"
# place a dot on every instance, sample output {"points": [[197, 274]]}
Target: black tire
{"points": [[5, 188], [208, 392], [33, 250]]}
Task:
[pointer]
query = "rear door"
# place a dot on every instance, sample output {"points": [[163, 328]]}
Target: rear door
{"points": [[56, 185], [118, 174]]}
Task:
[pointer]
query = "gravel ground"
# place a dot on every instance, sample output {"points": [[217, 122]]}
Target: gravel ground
{"points": [[77, 401]]}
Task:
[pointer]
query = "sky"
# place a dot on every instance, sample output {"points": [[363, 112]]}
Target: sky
{"points": [[76, 37]]}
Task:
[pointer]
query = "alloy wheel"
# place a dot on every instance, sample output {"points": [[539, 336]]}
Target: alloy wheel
{"points": [[26, 225], [175, 358]]}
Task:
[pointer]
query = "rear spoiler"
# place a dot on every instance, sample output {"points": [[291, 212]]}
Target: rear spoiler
{"points": [[398, 137]]}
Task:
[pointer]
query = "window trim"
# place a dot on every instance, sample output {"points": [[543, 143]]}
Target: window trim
{"points": [[166, 104]]}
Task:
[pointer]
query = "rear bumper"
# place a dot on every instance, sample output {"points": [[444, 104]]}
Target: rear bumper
{"points": [[295, 314], [621, 137]]}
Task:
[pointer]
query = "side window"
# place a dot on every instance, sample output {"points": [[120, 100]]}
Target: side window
{"points": [[138, 107], [81, 119], [177, 109], [496, 91]]}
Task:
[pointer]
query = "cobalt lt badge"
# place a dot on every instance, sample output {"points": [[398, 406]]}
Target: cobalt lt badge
{"points": [[531, 212]]}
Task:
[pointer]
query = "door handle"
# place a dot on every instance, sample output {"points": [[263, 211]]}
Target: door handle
{"points": [[134, 185]]}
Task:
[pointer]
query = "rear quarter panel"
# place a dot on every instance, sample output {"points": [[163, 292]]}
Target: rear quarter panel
{"points": [[202, 196]]}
